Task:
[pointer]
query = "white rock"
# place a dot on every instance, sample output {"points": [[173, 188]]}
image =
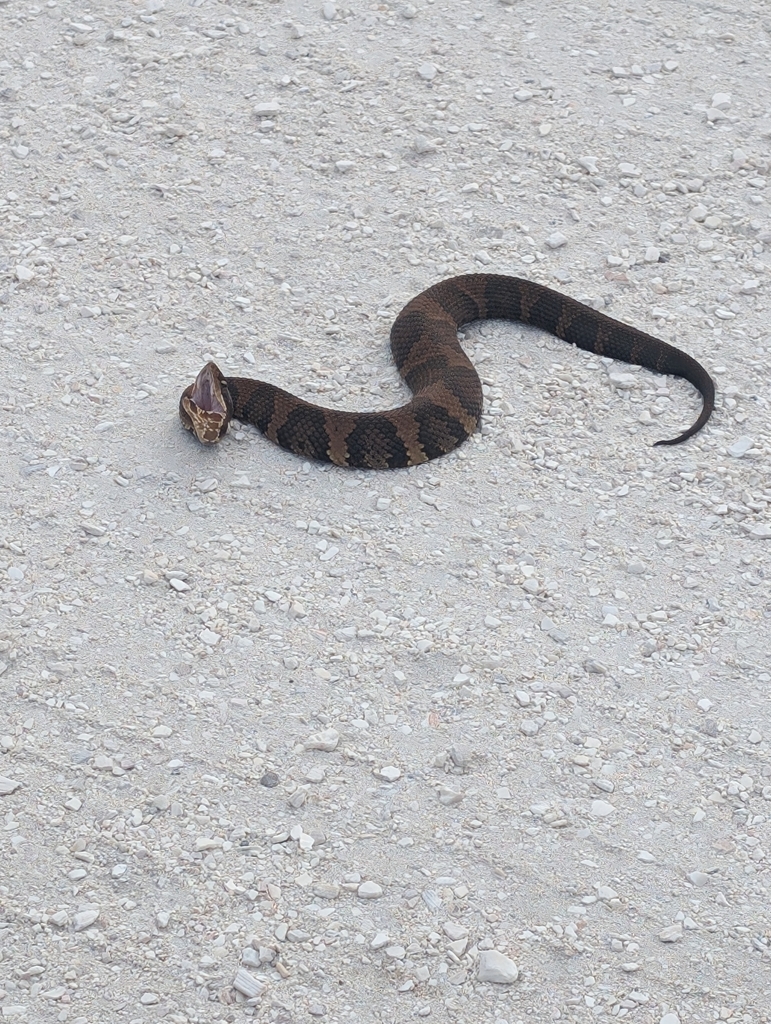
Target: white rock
{"points": [[247, 984], [326, 740], [24, 273], [672, 933], [369, 891], [390, 773], [601, 809], [422, 145], [267, 109], [497, 968], [85, 918], [741, 446], [606, 892], [448, 797], [698, 878], [556, 240], [760, 532], [427, 71], [635, 566], [8, 785], [589, 164]]}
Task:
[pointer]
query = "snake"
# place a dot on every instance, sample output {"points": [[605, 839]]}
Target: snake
{"points": [[446, 404]]}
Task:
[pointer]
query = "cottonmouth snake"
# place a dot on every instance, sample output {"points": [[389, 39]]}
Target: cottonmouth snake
{"points": [[447, 394]]}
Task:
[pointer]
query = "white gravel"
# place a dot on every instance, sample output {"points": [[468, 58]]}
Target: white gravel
{"points": [[485, 741]]}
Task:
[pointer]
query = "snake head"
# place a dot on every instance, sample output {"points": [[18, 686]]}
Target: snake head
{"points": [[206, 407]]}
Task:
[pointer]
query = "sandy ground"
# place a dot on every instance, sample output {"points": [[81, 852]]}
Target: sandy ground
{"points": [[485, 741]]}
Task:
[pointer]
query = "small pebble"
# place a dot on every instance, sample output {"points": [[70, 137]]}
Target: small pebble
{"points": [[698, 878], [246, 983], [601, 809], [556, 240], [496, 968], [85, 918], [8, 785], [672, 933], [369, 891], [327, 740], [741, 446]]}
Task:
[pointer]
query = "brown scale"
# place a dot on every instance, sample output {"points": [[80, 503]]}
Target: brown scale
{"points": [[446, 405]]}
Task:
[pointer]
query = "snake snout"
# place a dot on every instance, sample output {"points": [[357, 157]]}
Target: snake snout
{"points": [[204, 407]]}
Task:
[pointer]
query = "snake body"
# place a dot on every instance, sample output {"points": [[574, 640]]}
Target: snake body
{"points": [[447, 393]]}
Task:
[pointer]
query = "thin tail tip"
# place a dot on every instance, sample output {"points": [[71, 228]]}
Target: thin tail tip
{"points": [[690, 432]]}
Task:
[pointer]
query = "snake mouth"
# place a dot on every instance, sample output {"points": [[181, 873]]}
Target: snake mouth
{"points": [[204, 407]]}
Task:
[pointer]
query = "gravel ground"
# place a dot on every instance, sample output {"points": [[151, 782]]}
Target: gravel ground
{"points": [[484, 741]]}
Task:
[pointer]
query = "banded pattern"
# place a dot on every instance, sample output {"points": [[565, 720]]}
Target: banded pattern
{"points": [[447, 394]]}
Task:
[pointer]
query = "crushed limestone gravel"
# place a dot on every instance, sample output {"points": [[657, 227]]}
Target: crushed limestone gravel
{"points": [[486, 741]]}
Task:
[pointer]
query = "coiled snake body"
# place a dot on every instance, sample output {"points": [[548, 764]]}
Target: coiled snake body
{"points": [[447, 394]]}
